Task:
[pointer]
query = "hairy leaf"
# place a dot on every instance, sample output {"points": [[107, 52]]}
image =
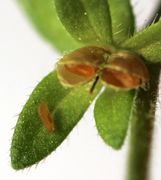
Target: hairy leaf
{"points": [[112, 113], [31, 140], [44, 17], [123, 24], [147, 43], [87, 21]]}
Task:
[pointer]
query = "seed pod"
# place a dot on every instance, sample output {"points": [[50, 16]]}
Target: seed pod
{"points": [[81, 65], [125, 70]]}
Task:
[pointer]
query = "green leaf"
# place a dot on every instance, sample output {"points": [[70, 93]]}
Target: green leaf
{"points": [[147, 43], [123, 24], [31, 140], [112, 113], [86, 20], [44, 17]]}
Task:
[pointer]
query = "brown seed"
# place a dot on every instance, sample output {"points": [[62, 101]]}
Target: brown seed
{"points": [[125, 70], [46, 117]]}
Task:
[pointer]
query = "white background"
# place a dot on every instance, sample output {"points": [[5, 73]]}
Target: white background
{"points": [[24, 60]]}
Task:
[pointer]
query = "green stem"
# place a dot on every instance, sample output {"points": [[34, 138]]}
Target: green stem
{"points": [[142, 128]]}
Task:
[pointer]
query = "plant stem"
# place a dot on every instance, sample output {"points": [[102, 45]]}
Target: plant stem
{"points": [[142, 127]]}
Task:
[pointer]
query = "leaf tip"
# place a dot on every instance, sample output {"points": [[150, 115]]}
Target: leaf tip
{"points": [[114, 142]]}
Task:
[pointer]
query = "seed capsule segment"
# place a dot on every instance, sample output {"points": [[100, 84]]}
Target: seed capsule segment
{"points": [[81, 65], [81, 69], [125, 70]]}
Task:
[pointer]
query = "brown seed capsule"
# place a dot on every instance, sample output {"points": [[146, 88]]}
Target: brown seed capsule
{"points": [[81, 65], [125, 70], [46, 117]]}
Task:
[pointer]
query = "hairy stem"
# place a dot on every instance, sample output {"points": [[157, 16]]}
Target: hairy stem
{"points": [[142, 128]]}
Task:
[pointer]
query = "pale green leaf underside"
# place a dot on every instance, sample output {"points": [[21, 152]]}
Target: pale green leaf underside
{"points": [[112, 113], [87, 21], [44, 17], [147, 43], [31, 140], [123, 24]]}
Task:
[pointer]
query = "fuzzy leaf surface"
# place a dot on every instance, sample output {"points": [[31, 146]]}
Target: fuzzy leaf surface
{"points": [[112, 113], [147, 43], [88, 21], [44, 17], [31, 140], [122, 18]]}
